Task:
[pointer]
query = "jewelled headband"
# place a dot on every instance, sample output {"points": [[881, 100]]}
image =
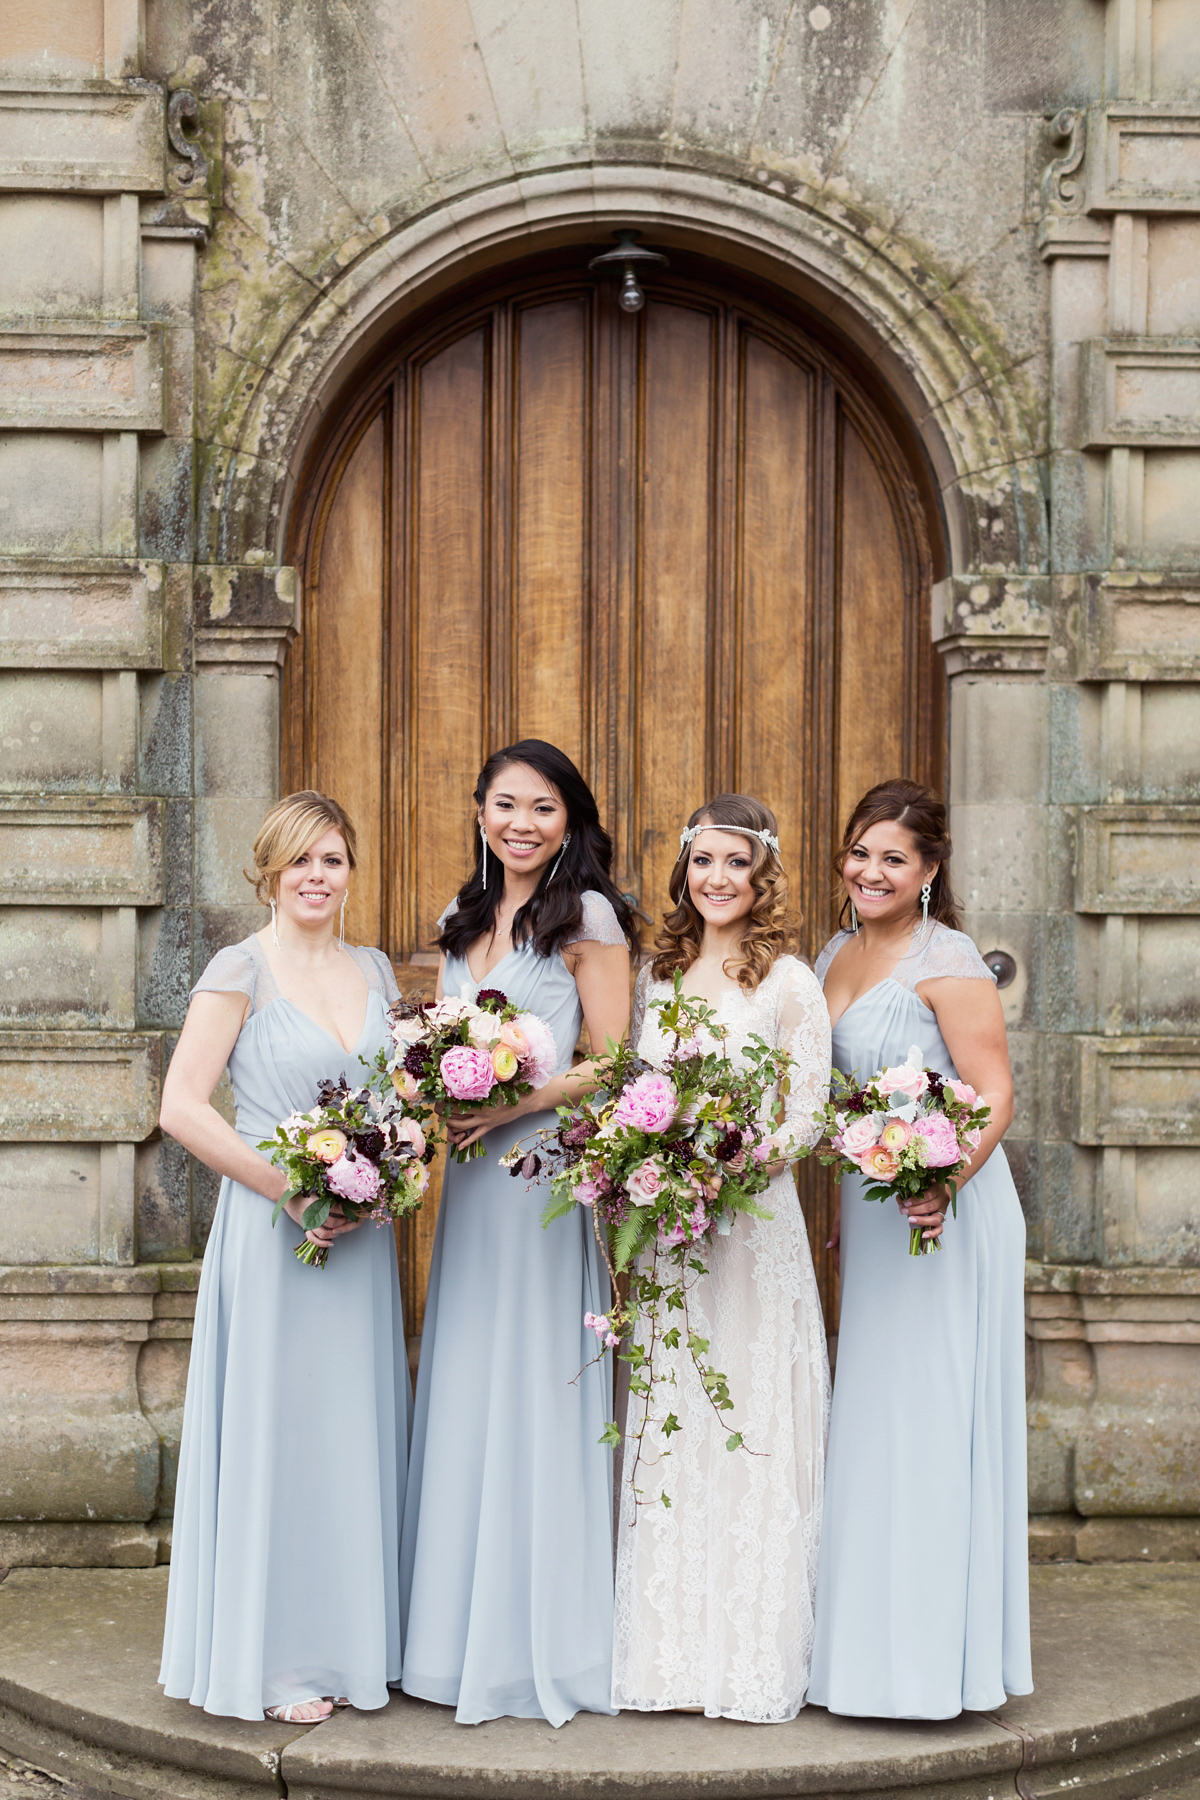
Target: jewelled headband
{"points": [[766, 838]]}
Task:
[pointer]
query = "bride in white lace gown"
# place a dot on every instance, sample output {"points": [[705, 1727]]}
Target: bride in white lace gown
{"points": [[717, 1550]]}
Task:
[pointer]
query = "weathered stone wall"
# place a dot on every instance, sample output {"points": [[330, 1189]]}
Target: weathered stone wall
{"points": [[207, 214]]}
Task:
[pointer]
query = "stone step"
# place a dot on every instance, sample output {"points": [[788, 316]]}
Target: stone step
{"points": [[1116, 1716]]}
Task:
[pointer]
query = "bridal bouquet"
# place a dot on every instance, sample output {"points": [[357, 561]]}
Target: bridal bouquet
{"points": [[355, 1149], [907, 1129], [665, 1159], [472, 1054]]}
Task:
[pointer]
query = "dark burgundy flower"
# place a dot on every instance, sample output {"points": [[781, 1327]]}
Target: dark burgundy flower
{"points": [[416, 1060], [575, 1135], [729, 1145], [490, 998]]}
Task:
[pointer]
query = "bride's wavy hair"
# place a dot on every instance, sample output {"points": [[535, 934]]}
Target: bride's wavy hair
{"points": [[922, 813], [551, 917], [770, 930]]}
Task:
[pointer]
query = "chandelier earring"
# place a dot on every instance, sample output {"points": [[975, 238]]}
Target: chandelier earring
{"points": [[853, 919], [275, 924], [558, 859], [483, 841], [926, 891], [342, 924]]}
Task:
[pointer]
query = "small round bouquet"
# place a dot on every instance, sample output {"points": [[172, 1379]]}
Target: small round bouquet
{"points": [[355, 1149], [665, 1159], [907, 1130], [468, 1055]]}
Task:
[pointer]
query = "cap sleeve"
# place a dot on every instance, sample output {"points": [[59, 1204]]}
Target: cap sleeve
{"points": [[942, 954], [445, 914], [231, 971], [600, 924], [379, 972], [821, 966]]}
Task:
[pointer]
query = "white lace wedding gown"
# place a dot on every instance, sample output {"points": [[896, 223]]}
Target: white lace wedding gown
{"points": [[714, 1593]]}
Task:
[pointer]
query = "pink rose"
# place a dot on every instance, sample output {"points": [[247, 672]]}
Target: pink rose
{"points": [[646, 1182], [907, 1078], [940, 1141], [468, 1073], [408, 1131], [962, 1090], [356, 1180], [648, 1104], [860, 1134]]}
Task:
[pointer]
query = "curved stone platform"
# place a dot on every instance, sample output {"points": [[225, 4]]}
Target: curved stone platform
{"points": [[1116, 1716]]}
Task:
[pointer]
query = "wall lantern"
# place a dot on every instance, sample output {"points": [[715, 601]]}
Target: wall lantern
{"points": [[628, 257]]}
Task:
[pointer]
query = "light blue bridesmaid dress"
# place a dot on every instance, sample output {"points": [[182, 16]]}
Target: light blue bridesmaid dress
{"points": [[922, 1584], [506, 1564], [285, 1559]]}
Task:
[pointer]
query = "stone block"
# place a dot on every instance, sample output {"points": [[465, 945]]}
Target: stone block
{"points": [[996, 623], [1000, 856], [1170, 506], [998, 740], [1137, 859], [1052, 1537], [52, 494], [52, 254], [68, 852], [79, 1085], [68, 970], [100, 140], [225, 832], [1168, 763], [1140, 391], [66, 1204], [89, 1545], [164, 1201], [89, 615], [1138, 1540], [82, 377], [1144, 158], [1173, 277], [165, 735], [1141, 1090], [236, 733], [1139, 627]]}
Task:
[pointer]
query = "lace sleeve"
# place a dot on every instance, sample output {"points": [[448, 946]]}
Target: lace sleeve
{"points": [[378, 971], [821, 967], [600, 924], [940, 953], [231, 971], [443, 916], [802, 1029], [640, 989]]}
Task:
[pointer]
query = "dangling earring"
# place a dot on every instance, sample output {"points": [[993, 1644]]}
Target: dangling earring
{"points": [[342, 924], [483, 840], [853, 919], [558, 859], [274, 926], [926, 891]]}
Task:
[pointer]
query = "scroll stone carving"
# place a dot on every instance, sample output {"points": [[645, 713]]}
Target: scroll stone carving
{"points": [[1061, 193], [183, 109]]}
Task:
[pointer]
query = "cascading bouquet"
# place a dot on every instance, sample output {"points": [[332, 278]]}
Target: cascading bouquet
{"points": [[907, 1129], [665, 1159], [355, 1149], [473, 1054]]}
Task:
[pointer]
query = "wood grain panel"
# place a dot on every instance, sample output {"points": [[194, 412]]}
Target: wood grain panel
{"points": [[449, 617], [348, 668], [872, 672], [673, 720], [550, 600], [770, 705]]}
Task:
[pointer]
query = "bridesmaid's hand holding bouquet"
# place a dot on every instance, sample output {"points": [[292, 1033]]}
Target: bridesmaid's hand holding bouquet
{"points": [[355, 1155], [909, 1130]]}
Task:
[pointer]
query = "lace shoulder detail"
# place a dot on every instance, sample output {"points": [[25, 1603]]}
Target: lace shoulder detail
{"points": [[377, 969], [600, 924], [821, 966], [641, 989], [233, 970], [445, 914], [939, 952]]}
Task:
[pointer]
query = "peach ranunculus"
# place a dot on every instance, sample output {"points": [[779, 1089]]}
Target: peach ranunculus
{"points": [[418, 1174], [326, 1145], [404, 1083], [880, 1163], [409, 1131], [513, 1038], [504, 1062], [895, 1134]]}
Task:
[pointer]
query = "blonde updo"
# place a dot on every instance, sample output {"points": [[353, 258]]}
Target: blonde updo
{"points": [[291, 827]]}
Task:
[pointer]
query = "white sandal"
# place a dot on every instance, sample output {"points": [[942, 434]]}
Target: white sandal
{"points": [[286, 1715]]}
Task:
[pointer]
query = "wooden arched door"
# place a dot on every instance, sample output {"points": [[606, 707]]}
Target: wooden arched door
{"points": [[685, 545]]}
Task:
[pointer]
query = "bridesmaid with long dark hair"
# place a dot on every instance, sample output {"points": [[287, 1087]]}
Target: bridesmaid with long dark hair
{"points": [[506, 1559]]}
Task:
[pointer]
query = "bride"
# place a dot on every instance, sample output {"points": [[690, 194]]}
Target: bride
{"points": [[717, 1549]]}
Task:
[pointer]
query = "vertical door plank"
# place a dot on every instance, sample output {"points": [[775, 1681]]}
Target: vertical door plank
{"points": [[672, 770], [872, 686], [774, 544], [448, 619], [550, 551], [349, 669]]}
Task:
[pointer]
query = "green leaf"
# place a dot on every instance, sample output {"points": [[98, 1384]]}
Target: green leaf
{"points": [[557, 1207], [670, 1425], [625, 1243], [611, 1435], [316, 1214], [671, 1338], [734, 1441]]}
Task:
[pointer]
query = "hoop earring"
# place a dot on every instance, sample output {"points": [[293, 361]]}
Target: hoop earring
{"points": [[853, 919], [342, 925], [558, 859], [275, 925], [926, 891], [483, 841]]}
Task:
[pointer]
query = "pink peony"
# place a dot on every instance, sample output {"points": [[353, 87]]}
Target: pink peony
{"points": [[592, 1187], [356, 1180], [962, 1090], [907, 1078], [648, 1104], [646, 1182], [468, 1073], [940, 1141], [539, 1059], [860, 1134]]}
